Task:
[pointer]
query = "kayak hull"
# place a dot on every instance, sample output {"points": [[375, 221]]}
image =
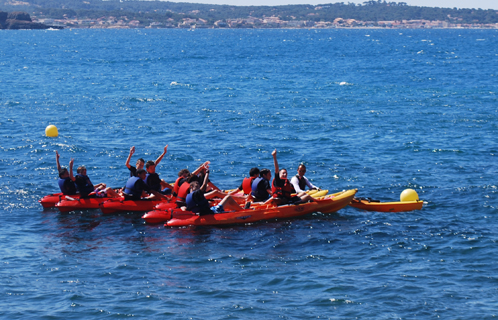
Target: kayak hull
{"points": [[327, 204], [66, 205], [401, 206], [49, 201], [119, 204]]}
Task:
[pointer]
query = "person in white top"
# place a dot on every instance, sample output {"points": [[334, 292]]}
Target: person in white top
{"points": [[300, 182]]}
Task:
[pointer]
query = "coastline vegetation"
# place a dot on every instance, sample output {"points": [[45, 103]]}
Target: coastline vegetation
{"points": [[170, 14]]}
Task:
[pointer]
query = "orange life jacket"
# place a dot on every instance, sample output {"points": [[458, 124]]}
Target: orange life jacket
{"points": [[183, 191], [176, 188], [247, 185], [282, 192]]}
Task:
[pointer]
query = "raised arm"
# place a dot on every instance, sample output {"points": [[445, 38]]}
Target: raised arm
{"points": [[57, 156], [161, 156], [275, 162], [201, 167], [132, 151], [205, 183], [71, 176]]}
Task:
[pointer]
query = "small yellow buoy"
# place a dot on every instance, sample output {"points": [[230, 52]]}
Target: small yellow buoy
{"points": [[408, 195], [51, 131]]}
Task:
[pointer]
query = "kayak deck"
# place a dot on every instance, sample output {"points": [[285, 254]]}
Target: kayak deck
{"points": [[373, 205], [327, 204]]}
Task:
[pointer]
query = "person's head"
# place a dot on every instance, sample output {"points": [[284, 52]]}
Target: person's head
{"points": [[301, 170], [141, 173], [140, 163], [266, 174], [193, 178], [63, 173], [150, 166], [254, 172], [194, 186], [81, 170], [282, 174], [184, 173]]}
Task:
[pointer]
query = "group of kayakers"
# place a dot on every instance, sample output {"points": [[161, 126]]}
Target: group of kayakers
{"points": [[192, 190]]}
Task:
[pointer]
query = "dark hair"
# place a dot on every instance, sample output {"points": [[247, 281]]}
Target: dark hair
{"points": [[140, 171], [183, 171], [149, 163], [141, 159], [253, 172], [264, 172], [62, 172], [193, 178], [80, 168]]}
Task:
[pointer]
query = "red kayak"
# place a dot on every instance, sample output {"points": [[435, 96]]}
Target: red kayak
{"points": [[66, 205], [258, 212], [51, 200], [120, 204], [162, 212]]}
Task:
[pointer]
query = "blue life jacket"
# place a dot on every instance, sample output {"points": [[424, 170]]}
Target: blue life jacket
{"points": [[153, 181], [67, 186], [256, 192], [196, 207], [131, 189], [84, 186]]}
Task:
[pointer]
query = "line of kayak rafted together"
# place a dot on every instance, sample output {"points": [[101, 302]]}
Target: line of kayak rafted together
{"points": [[188, 203], [169, 212]]}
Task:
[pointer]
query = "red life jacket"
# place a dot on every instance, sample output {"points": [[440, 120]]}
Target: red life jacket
{"points": [[282, 192], [183, 191], [176, 188], [247, 185]]}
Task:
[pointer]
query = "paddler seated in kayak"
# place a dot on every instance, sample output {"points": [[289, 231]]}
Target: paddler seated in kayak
{"points": [[87, 189], [139, 165], [282, 189], [246, 185], [299, 181], [182, 184], [197, 200], [182, 177], [152, 178], [261, 189], [66, 185], [136, 188]]}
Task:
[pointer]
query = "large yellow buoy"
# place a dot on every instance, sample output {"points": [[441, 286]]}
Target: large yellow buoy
{"points": [[51, 131], [408, 195]]}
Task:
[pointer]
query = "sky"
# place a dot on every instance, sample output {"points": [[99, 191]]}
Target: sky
{"points": [[476, 4]]}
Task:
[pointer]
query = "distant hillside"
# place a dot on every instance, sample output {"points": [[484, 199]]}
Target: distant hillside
{"points": [[19, 20], [169, 12]]}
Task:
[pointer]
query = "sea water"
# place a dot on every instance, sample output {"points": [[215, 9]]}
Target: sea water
{"points": [[375, 110]]}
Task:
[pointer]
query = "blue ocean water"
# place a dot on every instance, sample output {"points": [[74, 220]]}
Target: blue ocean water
{"points": [[376, 110]]}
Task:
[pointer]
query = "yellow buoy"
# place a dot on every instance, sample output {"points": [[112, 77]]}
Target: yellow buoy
{"points": [[408, 195], [51, 131]]}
